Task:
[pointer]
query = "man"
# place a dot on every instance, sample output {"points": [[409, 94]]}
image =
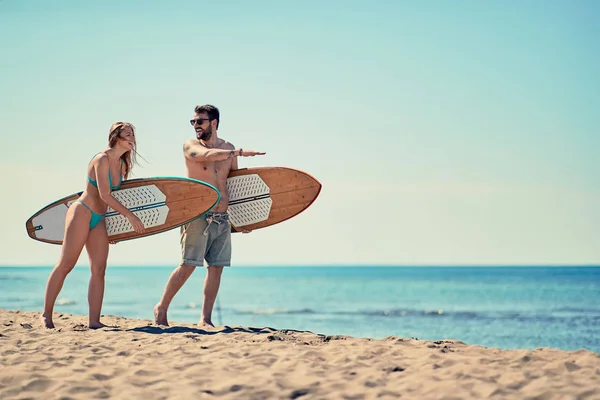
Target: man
{"points": [[208, 159]]}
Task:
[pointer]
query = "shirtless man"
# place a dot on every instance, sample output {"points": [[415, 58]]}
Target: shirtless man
{"points": [[208, 159]]}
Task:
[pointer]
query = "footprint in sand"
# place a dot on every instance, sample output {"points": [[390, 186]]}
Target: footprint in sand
{"points": [[299, 393], [37, 385], [79, 328], [82, 389], [100, 377]]}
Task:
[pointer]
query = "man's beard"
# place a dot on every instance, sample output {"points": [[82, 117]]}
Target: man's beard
{"points": [[206, 134]]}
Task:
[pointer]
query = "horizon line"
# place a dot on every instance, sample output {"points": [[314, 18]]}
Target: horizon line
{"points": [[489, 265]]}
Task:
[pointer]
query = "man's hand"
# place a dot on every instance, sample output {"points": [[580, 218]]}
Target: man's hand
{"points": [[247, 231], [250, 153]]}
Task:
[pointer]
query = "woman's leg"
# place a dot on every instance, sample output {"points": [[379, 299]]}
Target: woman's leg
{"points": [[76, 232], [97, 248]]}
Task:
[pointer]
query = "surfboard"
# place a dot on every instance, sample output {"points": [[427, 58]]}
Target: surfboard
{"points": [[265, 196], [161, 203]]}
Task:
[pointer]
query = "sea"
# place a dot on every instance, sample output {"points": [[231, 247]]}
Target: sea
{"points": [[516, 307]]}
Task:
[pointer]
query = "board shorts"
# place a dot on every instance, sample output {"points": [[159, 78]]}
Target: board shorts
{"points": [[206, 238]]}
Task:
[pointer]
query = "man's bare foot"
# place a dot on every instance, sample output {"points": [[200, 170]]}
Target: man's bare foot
{"points": [[46, 322], [160, 316], [97, 325], [206, 323]]}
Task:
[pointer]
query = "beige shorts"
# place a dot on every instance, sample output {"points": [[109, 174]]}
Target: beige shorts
{"points": [[206, 238]]}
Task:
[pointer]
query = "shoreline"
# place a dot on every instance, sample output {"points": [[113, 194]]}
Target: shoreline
{"points": [[134, 358]]}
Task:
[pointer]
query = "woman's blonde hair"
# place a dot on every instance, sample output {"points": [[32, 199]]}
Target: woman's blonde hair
{"points": [[129, 156]]}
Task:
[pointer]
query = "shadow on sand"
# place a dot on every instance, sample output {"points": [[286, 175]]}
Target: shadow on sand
{"points": [[158, 330]]}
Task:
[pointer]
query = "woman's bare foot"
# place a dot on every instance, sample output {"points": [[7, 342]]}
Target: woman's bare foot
{"points": [[46, 322], [160, 316]]}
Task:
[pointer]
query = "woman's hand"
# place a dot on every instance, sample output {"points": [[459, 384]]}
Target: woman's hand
{"points": [[137, 224]]}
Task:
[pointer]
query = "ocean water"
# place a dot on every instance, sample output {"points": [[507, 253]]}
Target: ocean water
{"points": [[503, 307]]}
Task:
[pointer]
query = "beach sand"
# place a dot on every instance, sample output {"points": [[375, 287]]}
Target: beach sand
{"points": [[139, 360]]}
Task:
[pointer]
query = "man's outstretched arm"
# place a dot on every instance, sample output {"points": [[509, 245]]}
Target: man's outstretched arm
{"points": [[198, 153]]}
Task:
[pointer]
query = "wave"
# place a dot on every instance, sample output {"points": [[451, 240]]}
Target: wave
{"points": [[547, 316], [271, 311], [383, 313], [12, 278], [581, 310], [65, 302]]}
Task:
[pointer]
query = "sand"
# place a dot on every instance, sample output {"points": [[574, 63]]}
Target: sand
{"points": [[135, 359]]}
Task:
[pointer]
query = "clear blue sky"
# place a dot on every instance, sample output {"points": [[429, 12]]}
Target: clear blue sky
{"points": [[459, 132]]}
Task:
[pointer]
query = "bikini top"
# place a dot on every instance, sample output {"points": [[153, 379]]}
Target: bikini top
{"points": [[93, 182]]}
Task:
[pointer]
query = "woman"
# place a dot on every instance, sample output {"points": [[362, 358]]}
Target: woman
{"points": [[85, 223]]}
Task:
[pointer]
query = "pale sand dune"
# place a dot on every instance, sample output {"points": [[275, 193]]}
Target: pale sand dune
{"points": [[137, 360]]}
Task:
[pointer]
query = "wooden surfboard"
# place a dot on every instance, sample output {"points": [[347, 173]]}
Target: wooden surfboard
{"points": [[161, 203], [265, 196]]}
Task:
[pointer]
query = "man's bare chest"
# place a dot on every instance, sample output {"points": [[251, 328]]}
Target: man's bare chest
{"points": [[220, 168]]}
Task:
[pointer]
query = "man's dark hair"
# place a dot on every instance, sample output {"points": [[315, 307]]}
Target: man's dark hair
{"points": [[212, 111]]}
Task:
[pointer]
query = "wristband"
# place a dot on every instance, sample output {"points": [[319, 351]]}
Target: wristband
{"points": [[241, 152]]}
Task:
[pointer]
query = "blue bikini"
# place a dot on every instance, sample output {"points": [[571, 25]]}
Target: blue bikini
{"points": [[96, 218]]}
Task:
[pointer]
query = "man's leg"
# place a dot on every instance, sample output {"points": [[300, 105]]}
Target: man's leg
{"points": [[211, 288], [176, 281], [217, 256], [193, 246]]}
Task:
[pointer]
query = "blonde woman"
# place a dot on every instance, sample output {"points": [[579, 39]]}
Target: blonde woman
{"points": [[85, 223]]}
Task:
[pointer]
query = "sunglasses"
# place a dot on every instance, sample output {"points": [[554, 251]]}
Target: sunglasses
{"points": [[199, 121]]}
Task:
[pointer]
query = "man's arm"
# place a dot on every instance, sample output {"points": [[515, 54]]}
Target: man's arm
{"points": [[234, 164], [198, 153]]}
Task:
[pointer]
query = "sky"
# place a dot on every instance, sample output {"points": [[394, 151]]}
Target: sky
{"points": [[443, 133]]}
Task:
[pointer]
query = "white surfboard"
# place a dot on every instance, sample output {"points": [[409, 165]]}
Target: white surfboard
{"points": [[161, 203]]}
